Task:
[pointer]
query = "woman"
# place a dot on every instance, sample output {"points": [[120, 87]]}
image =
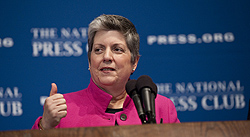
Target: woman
{"points": [[113, 56]]}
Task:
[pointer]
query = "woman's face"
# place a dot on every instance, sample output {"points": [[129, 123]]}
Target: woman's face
{"points": [[110, 60]]}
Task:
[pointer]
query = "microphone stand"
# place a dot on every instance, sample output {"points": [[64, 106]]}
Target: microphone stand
{"points": [[143, 119], [151, 118]]}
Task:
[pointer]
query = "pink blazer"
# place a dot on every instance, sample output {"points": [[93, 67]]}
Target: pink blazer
{"points": [[86, 108]]}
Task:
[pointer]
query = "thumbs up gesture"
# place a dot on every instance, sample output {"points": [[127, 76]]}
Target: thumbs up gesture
{"points": [[55, 109]]}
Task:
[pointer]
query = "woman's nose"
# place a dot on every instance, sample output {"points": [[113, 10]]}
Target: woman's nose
{"points": [[108, 56]]}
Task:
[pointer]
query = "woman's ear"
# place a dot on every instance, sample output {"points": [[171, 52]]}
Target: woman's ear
{"points": [[135, 64], [89, 67]]}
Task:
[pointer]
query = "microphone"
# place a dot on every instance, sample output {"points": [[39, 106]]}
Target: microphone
{"points": [[147, 90], [153, 96], [132, 92]]}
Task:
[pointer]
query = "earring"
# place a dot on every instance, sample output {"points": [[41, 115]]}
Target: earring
{"points": [[133, 69], [88, 68]]}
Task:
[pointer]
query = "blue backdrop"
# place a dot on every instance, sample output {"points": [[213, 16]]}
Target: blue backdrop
{"points": [[197, 52]]}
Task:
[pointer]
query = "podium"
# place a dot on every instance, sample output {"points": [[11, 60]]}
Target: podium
{"points": [[189, 129]]}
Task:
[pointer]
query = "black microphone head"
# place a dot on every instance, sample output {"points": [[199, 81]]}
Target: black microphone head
{"points": [[130, 87], [154, 89], [145, 81]]}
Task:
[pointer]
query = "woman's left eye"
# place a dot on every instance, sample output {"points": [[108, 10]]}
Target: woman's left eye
{"points": [[119, 50]]}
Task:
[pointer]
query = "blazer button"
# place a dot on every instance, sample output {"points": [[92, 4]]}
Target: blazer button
{"points": [[123, 117]]}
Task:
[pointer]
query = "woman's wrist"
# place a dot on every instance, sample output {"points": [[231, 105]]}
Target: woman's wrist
{"points": [[40, 125]]}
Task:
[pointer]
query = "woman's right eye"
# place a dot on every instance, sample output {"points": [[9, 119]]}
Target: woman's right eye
{"points": [[98, 50]]}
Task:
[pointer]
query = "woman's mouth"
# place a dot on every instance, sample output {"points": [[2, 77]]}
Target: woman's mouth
{"points": [[107, 69]]}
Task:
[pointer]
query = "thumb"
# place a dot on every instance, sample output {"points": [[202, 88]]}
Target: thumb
{"points": [[53, 89]]}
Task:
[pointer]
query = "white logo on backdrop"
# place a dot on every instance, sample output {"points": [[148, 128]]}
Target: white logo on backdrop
{"points": [[214, 95], [51, 42], [6, 42], [10, 102], [42, 100], [174, 39]]}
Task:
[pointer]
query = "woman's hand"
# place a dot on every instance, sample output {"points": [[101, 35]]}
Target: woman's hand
{"points": [[55, 109]]}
